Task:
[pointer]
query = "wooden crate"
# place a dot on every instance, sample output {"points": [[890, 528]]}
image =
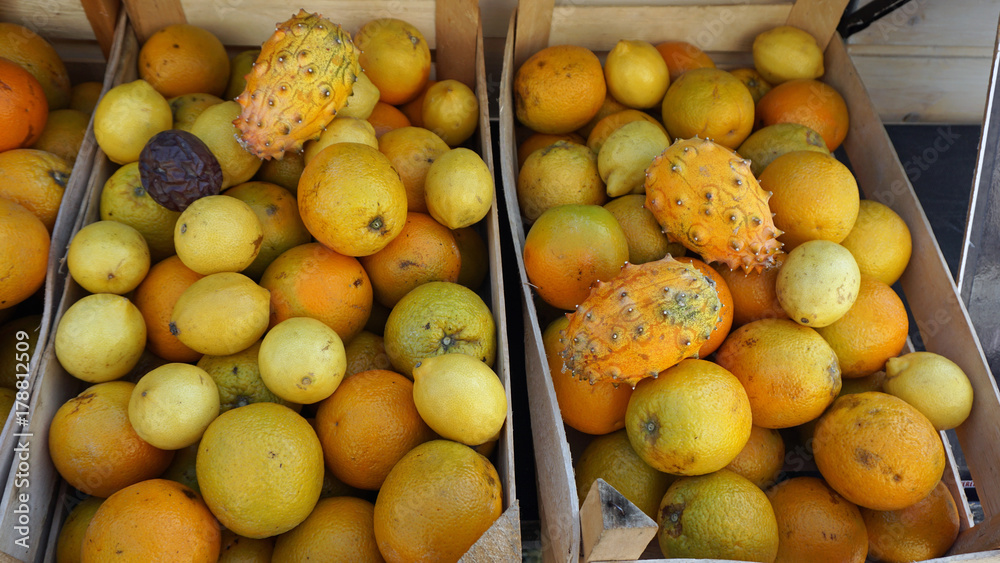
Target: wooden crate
{"points": [[451, 23], [726, 32]]}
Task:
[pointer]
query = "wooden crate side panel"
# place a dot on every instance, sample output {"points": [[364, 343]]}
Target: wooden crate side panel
{"points": [[956, 23], [52, 19]]}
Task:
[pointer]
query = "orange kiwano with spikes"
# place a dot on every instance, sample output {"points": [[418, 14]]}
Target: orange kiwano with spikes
{"points": [[705, 197], [643, 321]]}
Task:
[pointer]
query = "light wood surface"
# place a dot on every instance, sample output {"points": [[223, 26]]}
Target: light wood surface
{"points": [[613, 528], [149, 16], [103, 16]]}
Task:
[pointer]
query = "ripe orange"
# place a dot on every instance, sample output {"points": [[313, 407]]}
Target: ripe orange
{"points": [[414, 109], [238, 378], [93, 444], [462, 486], [761, 460], [559, 89], [475, 257], [725, 323], [878, 451], [754, 293], [184, 59], [609, 106], [560, 174], [364, 352], [592, 409], [385, 118], [424, 251], [154, 520], [69, 546], [155, 298], [568, 248], [310, 280], [612, 458], [709, 103], [239, 549], [887, 259], [540, 141], [339, 529], [815, 523], [924, 530], [22, 107], [646, 239], [395, 57], [681, 56], [814, 196], [285, 172], [35, 179], [351, 199], [85, 95], [872, 331], [24, 253], [63, 134], [790, 373], [754, 82], [808, 102], [367, 425], [412, 150], [32, 52], [278, 212]]}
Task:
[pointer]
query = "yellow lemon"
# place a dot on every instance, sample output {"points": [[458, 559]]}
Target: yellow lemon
{"points": [[451, 110], [172, 405], [636, 74], [215, 127], [627, 153], [818, 283], [108, 257], [460, 398], [361, 102], [70, 542], [302, 360], [100, 337], [239, 67], [768, 143], [458, 188], [933, 384], [123, 199], [218, 233], [128, 116], [342, 130], [187, 107], [221, 314], [787, 53]]}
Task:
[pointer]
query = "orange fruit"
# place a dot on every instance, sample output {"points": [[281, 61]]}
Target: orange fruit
{"points": [[69, 545], [592, 409], [238, 549], [29, 50], [878, 451], [608, 125], [63, 134], [568, 248], [412, 150], [24, 253], [461, 484], [155, 298], [22, 107], [609, 106], [815, 523], [681, 56], [754, 82], [612, 458], [414, 109], [709, 103], [725, 323], [924, 530], [475, 257], [887, 259], [351, 199], [789, 372], [84, 96], [451, 110], [395, 57], [93, 444], [808, 102], [284, 172], [367, 425], [559, 89], [278, 212], [559, 174], [385, 118], [754, 293], [814, 196], [238, 378], [155, 520], [692, 419], [310, 280], [540, 141], [646, 239], [35, 179], [873, 330], [761, 460], [424, 251], [339, 529], [365, 352], [184, 59]]}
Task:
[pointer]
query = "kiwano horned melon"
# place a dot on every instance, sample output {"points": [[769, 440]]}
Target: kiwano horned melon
{"points": [[704, 197], [648, 318], [303, 76]]}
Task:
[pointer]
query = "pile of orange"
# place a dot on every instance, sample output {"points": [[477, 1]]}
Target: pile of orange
{"points": [[330, 478], [785, 375]]}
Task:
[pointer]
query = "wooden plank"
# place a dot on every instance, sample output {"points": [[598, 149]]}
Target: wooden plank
{"points": [[935, 51], [613, 528], [456, 22], [919, 22], [941, 316], [502, 542], [532, 29], [819, 17], [52, 19], [102, 15], [149, 16], [982, 537]]}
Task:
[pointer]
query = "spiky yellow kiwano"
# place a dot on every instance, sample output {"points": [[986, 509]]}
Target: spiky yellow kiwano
{"points": [[301, 79], [705, 197], [648, 318]]}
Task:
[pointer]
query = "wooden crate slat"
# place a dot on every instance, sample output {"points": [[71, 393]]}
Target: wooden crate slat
{"points": [[149, 16], [102, 15], [455, 25], [53, 19], [820, 18]]}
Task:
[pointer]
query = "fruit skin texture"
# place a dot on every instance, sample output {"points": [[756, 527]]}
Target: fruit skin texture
{"points": [[24, 247], [815, 523], [717, 516], [307, 90], [32, 52], [818, 283], [878, 451], [691, 420], [23, 95], [460, 398], [641, 322], [221, 314], [786, 53], [100, 337], [436, 502], [559, 89], [933, 384], [762, 458], [339, 530], [704, 197], [396, 57], [709, 103], [924, 530]]}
